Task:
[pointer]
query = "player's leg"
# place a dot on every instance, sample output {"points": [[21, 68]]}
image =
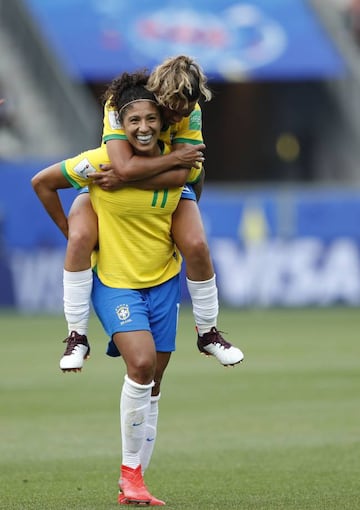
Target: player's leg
{"points": [[138, 351], [135, 342], [82, 239], [189, 234], [147, 449], [77, 281], [164, 304]]}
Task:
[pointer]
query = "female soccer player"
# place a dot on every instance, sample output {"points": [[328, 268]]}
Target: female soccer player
{"points": [[178, 84], [136, 292]]}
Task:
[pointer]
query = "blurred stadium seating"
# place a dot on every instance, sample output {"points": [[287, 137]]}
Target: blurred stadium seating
{"points": [[282, 199]]}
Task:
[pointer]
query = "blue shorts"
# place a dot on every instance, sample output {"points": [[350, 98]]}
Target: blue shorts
{"points": [[155, 309], [188, 192]]}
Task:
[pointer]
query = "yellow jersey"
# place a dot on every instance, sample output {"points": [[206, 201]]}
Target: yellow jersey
{"points": [[136, 249]]}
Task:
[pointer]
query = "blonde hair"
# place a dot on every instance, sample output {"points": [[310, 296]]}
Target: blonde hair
{"points": [[177, 82]]}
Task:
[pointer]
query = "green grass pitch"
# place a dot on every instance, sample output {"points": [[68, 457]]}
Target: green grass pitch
{"points": [[279, 432]]}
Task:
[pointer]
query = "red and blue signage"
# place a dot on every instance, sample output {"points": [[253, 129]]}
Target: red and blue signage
{"points": [[233, 40]]}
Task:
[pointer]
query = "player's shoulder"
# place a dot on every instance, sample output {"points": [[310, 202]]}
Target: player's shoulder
{"points": [[193, 121], [111, 117]]}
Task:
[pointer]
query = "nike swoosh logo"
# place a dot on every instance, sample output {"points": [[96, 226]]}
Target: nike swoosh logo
{"points": [[137, 424], [149, 439]]}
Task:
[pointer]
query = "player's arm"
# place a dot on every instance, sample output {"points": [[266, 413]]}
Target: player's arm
{"points": [[198, 186], [189, 130], [46, 184], [125, 164], [108, 181], [166, 180], [108, 178], [129, 167]]}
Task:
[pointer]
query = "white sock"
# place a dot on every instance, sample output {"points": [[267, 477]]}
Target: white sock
{"points": [[150, 433], [204, 297], [134, 410], [77, 294]]}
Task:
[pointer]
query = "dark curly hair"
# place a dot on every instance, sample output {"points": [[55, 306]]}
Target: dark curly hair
{"points": [[127, 88]]}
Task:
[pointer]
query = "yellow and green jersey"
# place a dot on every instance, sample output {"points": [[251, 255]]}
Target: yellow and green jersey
{"points": [[188, 130], [136, 249]]}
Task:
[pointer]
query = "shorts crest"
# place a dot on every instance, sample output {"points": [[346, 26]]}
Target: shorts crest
{"points": [[123, 312]]}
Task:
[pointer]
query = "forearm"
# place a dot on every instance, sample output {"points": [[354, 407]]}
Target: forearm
{"points": [[129, 167], [52, 204], [170, 179], [45, 184], [117, 175]]}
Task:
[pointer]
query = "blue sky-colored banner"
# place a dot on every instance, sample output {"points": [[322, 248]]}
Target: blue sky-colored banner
{"points": [[233, 40]]}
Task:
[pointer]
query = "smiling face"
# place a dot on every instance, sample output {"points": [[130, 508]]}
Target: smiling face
{"points": [[141, 122]]}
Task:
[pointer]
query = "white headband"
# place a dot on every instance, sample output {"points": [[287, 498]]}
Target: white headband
{"points": [[135, 101]]}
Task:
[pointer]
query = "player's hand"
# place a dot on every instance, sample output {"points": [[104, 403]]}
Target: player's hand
{"points": [[107, 178], [189, 155]]}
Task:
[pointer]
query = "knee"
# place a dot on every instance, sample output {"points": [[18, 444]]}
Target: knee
{"points": [[81, 239], [142, 370], [196, 248]]}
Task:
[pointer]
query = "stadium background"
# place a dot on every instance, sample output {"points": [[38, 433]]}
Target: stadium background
{"points": [[281, 431], [282, 200]]}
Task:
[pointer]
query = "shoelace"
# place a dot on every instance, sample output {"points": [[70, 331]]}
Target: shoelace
{"points": [[216, 338], [72, 341]]}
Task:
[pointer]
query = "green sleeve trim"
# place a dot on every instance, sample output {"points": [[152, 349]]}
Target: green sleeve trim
{"points": [[186, 140], [73, 183], [113, 137]]}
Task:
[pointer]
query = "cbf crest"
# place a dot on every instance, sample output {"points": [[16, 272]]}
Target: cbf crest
{"points": [[123, 312]]}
